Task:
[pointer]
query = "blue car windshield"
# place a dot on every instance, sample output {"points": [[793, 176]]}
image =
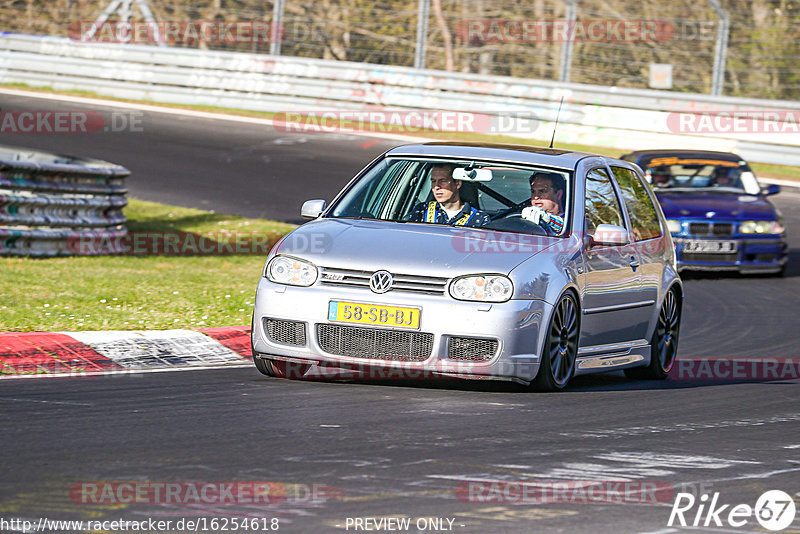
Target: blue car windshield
{"points": [[701, 174], [457, 192]]}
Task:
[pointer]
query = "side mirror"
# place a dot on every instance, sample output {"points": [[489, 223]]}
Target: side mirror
{"points": [[609, 235], [772, 189], [312, 209]]}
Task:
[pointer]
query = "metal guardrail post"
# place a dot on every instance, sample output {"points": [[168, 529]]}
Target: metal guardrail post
{"points": [[720, 49], [276, 30], [125, 9], [422, 33], [58, 206], [566, 52]]}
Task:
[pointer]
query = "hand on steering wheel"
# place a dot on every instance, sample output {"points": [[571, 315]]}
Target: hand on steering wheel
{"points": [[536, 215], [524, 207]]}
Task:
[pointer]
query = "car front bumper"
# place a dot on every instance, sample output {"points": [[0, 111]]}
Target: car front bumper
{"points": [[514, 326], [753, 255]]}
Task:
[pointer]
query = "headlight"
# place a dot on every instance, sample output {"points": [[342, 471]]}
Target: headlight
{"points": [[291, 271], [485, 288], [760, 227], [673, 226]]}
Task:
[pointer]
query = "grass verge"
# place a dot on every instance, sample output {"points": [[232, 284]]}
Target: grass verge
{"points": [[780, 172], [138, 292]]}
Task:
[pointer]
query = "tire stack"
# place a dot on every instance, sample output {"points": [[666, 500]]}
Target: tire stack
{"points": [[54, 205]]}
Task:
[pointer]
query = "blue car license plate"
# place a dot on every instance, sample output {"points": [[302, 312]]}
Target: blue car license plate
{"points": [[710, 247]]}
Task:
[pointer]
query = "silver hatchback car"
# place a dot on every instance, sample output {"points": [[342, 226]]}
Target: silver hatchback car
{"points": [[477, 261]]}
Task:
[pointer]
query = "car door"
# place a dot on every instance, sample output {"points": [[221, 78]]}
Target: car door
{"points": [[646, 234], [610, 281]]}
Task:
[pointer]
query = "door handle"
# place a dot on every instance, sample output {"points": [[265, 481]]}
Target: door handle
{"points": [[634, 263]]}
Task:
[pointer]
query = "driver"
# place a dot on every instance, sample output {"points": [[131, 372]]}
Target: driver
{"points": [[661, 177], [547, 201], [447, 208]]}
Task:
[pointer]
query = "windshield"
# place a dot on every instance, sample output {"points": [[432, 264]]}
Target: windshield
{"points": [[706, 174], [460, 193]]}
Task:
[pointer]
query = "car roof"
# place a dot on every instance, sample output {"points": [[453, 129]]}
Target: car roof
{"points": [[525, 154], [647, 155]]}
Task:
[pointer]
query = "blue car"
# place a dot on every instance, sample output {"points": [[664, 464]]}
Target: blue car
{"points": [[718, 214]]}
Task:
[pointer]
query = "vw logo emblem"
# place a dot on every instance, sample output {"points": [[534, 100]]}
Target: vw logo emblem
{"points": [[381, 282]]}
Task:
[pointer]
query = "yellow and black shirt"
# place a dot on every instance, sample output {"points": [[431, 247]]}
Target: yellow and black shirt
{"points": [[432, 212]]}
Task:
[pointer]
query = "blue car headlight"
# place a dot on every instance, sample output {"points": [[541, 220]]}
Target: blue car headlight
{"points": [[291, 271], [482, 288], [674, 226], [760, 227]]}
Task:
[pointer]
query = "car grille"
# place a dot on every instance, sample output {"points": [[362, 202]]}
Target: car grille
{"points": [[286, 332], [700, 228], [402, 282], [705, 228], [723, 229], [375, 343], [701, 256], [470, 349]]}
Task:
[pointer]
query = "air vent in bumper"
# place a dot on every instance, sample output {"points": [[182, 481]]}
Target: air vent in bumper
{"points": [[285, 332], [471, 349], [373, 343]]}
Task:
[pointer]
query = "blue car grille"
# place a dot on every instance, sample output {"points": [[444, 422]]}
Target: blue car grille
{"points": [[723, 229], [709, 228]]}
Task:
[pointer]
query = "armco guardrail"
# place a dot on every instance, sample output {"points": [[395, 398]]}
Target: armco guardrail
{"points": [[592, 115], [51, 204]]}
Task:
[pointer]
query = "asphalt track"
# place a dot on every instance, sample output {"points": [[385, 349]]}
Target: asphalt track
{"points": [[382, 449], [230, 167]]}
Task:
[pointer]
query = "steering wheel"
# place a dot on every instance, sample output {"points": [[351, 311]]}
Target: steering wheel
{"points": [[509, 214], [512, 209]]}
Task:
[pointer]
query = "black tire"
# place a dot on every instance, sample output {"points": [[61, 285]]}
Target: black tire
{"points": [[264, 366], [261, 365], [664, 344], [275, 368], [561, 347], [282, 369]]}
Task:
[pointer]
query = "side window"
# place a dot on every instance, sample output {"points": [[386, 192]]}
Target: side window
{"points": [[602, 205], [641, 212]]}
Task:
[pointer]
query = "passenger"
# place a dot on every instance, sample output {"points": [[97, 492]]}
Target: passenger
{"points": [[447, 206], [722, 178], [547, 201]]}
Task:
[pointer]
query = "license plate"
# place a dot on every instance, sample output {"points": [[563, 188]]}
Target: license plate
{"points": [[720, 247], [373, 314]]}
